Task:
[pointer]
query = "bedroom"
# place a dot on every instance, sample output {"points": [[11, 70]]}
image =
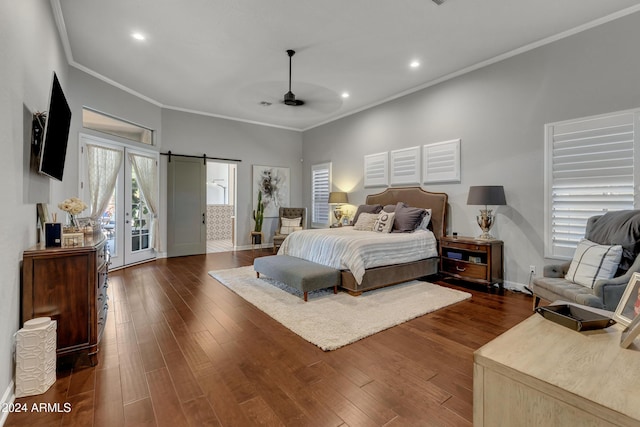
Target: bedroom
{"points": [[498, 112]]}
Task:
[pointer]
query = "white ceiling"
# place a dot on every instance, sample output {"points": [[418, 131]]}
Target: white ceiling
{"points": [[223, 57]]}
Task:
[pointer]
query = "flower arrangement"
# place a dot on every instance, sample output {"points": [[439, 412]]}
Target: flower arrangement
{"points": [[72, 206]]}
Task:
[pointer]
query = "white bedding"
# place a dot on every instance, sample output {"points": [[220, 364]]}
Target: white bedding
{"points": [[347, 249]]}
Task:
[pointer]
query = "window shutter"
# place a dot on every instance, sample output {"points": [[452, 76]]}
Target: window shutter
{"points": [[590, 170], [320, 188]]}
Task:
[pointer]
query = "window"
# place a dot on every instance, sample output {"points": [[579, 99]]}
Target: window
{"points": [[589, 171], [110, 125], [320, 188]]}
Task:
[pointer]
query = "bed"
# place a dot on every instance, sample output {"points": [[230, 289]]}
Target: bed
{"points": [[413, 255]]}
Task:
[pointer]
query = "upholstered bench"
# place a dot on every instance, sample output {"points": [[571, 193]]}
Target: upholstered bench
{"points": [[298, 273]]}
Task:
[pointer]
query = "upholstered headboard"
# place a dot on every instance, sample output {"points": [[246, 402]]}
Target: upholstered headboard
{"points": [[419, 198]]}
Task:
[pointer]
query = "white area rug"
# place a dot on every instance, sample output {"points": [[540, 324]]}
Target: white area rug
{"points": [[331, 321]]}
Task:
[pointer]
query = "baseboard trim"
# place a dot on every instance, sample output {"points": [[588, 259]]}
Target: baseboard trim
{"points": [[7, 399]]}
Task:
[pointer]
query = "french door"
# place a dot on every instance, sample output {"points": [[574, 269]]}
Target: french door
{"points": [[127, 219]]}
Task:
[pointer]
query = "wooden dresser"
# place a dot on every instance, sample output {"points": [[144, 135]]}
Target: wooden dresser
{"points": [[69, 285], [542, 374]]}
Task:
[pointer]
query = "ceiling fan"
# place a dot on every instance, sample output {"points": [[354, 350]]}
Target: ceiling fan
{"points": [[289, 97]]}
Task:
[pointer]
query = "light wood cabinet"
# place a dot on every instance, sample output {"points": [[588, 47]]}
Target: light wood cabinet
{"points": [[69, 285], [542, 374]]}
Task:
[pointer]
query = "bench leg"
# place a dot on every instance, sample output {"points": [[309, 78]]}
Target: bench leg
{"points": [[305, 296], [335, 289], [257, 274]]}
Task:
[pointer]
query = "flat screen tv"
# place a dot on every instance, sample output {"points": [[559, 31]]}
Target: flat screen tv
{"points": [[56, 133]]}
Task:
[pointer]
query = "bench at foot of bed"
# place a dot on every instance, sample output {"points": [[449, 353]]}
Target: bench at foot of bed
{"points": [[298, 273]]}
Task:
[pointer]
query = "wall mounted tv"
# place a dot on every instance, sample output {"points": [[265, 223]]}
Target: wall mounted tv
{"points": [[56, 133]]}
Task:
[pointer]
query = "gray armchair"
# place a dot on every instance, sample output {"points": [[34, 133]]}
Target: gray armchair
{"points": [[612, 228], [278, 237]]}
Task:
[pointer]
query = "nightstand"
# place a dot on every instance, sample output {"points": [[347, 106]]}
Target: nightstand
{"points": [[473, 260]]}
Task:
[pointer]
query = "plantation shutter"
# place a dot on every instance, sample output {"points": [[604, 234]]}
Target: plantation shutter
{"points": [[590, 170], [320, 188]]}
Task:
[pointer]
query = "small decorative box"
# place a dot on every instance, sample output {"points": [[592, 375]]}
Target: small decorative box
{"points": [[454, 255], [72, 239]]}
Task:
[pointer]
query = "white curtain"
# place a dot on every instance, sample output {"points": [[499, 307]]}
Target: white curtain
{"points": [[146, 170], [104, 164]]}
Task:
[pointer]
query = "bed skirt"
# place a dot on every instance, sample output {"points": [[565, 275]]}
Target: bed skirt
{"points": [[379, 277]]}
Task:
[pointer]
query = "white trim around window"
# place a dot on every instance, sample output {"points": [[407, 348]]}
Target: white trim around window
{"points": [[320, 189]]}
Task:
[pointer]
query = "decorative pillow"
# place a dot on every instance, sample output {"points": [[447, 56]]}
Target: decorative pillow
{"points": [[288, 229], [424, 224], [384, 223], [407, 218], [368, 209], [290, 222], [392, 208], [365, 221], [592, 262]]}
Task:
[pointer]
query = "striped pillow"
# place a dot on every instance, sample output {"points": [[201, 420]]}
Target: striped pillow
{"points": [[592, 262]]}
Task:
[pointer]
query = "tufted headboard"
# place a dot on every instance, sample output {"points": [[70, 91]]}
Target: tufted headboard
{"points": [[419, 198]]}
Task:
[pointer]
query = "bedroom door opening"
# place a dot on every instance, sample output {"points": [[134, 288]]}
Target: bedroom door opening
{"points": [[221, 206]]}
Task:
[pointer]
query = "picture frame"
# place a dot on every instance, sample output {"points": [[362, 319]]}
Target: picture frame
{"points": [[629, 305], [630, 333], [43, 213], [273, 183]]}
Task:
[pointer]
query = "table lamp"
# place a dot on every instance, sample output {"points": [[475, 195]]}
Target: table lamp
{"points": [[338, 198], [486, 195]]}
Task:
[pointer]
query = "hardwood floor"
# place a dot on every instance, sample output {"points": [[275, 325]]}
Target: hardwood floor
{"points": [[180, 349]]}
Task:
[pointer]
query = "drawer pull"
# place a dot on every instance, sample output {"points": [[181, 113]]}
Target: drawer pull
{"points": [[460, 269]]}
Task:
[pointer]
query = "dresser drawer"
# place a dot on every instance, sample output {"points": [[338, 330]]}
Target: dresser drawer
{"points": [[465, 269], [465, 246]]}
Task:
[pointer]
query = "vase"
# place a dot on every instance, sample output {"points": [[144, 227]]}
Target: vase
{"points": [[72, 224]]}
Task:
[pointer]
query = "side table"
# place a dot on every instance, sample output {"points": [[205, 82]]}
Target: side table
{"points": [[474, 260]]}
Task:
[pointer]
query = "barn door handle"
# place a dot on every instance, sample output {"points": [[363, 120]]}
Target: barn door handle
{"points": [[203, 219]]}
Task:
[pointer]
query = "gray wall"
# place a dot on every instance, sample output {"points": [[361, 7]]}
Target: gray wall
{"points": [[499, 112], [29, 52], [186, 133]]}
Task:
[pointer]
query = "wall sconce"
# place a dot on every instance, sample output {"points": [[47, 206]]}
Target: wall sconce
{"points": [[486, 195]]}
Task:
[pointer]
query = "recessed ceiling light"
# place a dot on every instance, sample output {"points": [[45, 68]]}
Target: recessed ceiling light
{"points": [[138, 36], [345, 94], [414, 64]]}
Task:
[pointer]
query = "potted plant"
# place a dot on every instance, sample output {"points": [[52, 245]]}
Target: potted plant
{"points": [[258, 217]]}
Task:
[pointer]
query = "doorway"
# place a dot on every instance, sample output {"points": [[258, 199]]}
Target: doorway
{"points": [[221, 206], [127, 219]]}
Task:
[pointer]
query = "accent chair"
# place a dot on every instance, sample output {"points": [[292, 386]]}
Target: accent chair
{"points": [[282, 232], [613, 228]]}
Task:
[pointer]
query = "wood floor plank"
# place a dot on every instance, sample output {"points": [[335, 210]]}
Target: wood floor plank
{"points": [[166, 404], [199, 413], [139, 414], [181, 349], [184, 382]]}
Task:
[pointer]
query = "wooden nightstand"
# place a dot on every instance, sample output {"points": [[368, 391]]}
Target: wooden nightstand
{"points": [[473, 260]]}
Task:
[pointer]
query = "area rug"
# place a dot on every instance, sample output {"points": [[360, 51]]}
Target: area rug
{"points": [[330, 320]]}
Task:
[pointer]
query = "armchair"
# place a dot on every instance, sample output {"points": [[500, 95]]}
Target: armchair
{"points": [[612, 228], [289, 213]]}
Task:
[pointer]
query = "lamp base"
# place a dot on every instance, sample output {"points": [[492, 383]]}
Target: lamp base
{"points": [[485, 222]]}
